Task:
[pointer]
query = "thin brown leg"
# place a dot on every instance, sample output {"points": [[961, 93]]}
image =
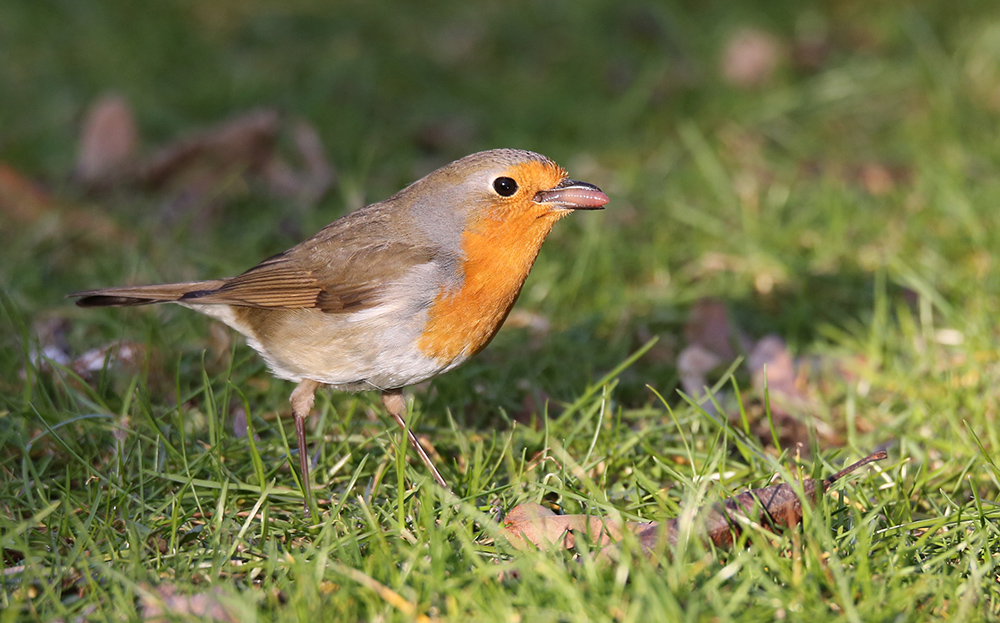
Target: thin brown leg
{"points": [[396, 405], [302, 400]]}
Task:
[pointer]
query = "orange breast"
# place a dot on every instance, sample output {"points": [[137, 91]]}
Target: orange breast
{"points": [[498, 256]]}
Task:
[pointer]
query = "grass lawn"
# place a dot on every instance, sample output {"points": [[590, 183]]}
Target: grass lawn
{"points": [[808, 185]]}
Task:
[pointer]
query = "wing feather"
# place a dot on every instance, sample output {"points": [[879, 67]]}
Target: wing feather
{"points": [[343, 268]]}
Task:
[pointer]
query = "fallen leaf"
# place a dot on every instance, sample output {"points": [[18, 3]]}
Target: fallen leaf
{"points": [[128, 354], [243, 143], [709, 336], [750, 58], [164, 603], [532, 525], [708, 326], [21, 199], [693, 365], [108, 142], [523, 319], [771, 356], [24, 202], [794, 410], [51, 347], [774, 508], [877, 179], [206, 166]]}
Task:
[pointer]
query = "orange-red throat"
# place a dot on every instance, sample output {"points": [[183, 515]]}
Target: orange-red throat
{"points": [[499, 247]]}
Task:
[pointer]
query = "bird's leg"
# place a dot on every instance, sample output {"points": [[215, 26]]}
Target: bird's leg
{"points": [[302, 400], [396, 405]]}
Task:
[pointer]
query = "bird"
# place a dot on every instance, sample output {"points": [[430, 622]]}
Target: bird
{"points": [[394, 293]]}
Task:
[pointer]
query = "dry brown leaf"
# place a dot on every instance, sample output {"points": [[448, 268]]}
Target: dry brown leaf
{"points": [[529, 524], [878, 179], [108, 142], [243, 143], [21, 199], [24, 202], [794, 410], [51, 347], [771, 354], [708, 326], [164, 603], [201, 168], [713, 340], [124, 353], [710, 345], [774, 507], [750, 58], [693, 365]]}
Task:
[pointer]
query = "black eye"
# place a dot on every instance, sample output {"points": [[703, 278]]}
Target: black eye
{"points": [[504, 186]]}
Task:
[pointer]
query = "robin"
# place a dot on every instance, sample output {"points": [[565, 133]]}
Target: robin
{"points": [[394, 293]]}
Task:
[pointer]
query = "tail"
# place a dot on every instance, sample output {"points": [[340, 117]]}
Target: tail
{"points": [[143, 295]]}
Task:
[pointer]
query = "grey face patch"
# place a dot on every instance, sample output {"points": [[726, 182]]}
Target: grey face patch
{"points": [[442, 216], [444, 199]]}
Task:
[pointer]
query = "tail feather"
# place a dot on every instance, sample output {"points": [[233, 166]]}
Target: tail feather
{"points": [[142, 295]]}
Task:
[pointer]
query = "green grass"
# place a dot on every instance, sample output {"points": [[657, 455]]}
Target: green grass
{"points": [[132, 483]]}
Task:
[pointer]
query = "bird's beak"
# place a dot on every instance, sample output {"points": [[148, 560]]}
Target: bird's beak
{"points": [[573, 195]]}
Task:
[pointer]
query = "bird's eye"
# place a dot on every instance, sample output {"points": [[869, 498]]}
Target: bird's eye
{"points": [[504, 186]]}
